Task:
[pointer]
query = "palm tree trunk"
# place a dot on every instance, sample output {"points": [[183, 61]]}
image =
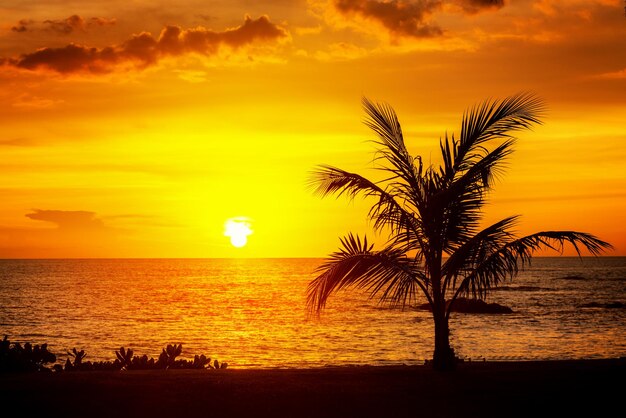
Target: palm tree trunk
{"points": [[443, 357]]}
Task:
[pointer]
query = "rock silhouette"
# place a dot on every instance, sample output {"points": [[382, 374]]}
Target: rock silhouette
{"points": [[465, 305]]}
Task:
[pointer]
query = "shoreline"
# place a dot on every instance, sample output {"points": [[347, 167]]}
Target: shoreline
{"points": [[481, 389]]}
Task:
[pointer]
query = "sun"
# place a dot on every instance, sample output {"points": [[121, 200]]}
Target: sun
{"points": [[238, 230]]}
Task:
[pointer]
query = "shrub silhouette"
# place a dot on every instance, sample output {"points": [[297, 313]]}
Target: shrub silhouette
{"points": [[29, 358], [166, 360]]}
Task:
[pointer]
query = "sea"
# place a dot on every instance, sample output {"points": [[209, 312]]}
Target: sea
{"points": [[252, 313]]}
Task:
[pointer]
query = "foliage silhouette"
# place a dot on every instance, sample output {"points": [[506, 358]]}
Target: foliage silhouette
{"points": [[433, 215], [166, 360], [15, 358], [78, 356], [29, 358]]}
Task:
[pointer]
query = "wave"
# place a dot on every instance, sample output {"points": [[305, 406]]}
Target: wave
{"points": [[573, 277], [605, 305], [523, 288]]}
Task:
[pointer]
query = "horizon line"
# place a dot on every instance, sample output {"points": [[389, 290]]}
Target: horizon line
{"points": [[251, 258]]}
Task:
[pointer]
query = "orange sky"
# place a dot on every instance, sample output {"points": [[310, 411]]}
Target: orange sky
{"points": [[136, 129]]}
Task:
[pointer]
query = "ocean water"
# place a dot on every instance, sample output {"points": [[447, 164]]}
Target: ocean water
{"points": [[252, 313]]}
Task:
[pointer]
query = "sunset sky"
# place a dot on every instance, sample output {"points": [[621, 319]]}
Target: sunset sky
{"points": [[137, 129]]}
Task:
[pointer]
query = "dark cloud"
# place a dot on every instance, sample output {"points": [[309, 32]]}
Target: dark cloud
{"points": [[101, 21], [206, 17], [22, 25], [403, 18], [410, 18], [69, 59], [65, 26], [77, 234], [143, 50], [68, 219], [476, 6]]}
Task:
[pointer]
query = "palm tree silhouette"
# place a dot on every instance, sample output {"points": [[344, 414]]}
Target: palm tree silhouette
{"points": [[432, 215]]}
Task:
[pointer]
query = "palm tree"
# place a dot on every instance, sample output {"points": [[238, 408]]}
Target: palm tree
{"points": [[433, 217]]}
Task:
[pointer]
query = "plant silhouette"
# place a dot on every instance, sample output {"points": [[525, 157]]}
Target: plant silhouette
{"points": [[432, 214], [28, 358], [78, 357]]}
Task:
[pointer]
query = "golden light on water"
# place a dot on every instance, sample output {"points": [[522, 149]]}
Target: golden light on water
{"points": [[238, 230]]}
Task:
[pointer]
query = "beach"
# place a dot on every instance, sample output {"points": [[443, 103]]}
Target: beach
{"points": [[475, 389]]}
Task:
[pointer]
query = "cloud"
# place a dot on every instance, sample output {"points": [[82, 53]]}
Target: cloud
{"points": [[144, 50], [402, 18], [613, 75], [28, 101], [192, 76], [476, 6], [68, 219], [340, 51], [309, 30], [22, 25], [62, 26], [101, 21], [399, 17], [75, 234], [17, 142], [66, 26]]}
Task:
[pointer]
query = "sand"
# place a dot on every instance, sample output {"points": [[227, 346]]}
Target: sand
{"points": [[499, 389]]}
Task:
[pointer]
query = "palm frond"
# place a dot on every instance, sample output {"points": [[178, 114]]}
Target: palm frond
{"points": [[326, 180], [494, 120], [505, 262], [387, 211], [462, 200], [476, 249], [483, 172], [382, 119], [388, 274]]}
